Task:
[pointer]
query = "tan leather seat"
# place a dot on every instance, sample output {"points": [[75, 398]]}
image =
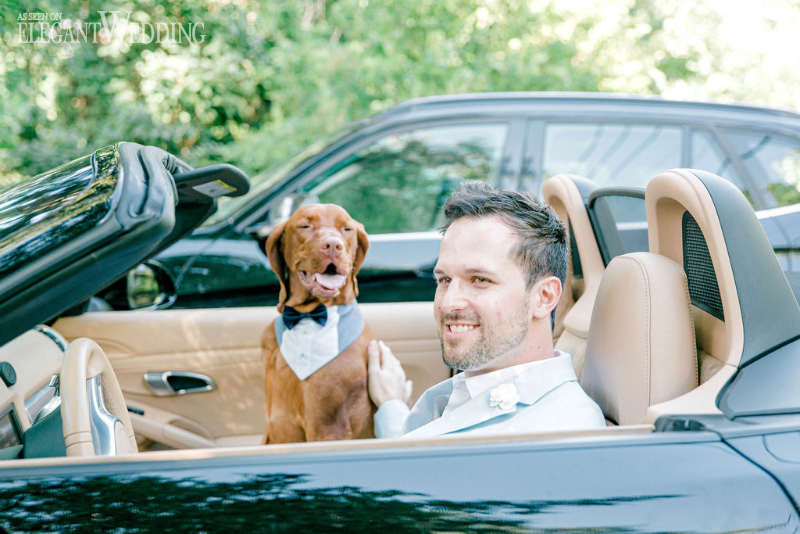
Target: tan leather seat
{"points": [[640, 350], [649, 324], [574, 311], [683, 220]]}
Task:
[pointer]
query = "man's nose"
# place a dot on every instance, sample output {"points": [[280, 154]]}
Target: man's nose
{"points": [[332, 246], [451, 298]]}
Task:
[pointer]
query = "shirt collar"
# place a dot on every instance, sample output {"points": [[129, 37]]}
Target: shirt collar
{"points": [[535, 379]]}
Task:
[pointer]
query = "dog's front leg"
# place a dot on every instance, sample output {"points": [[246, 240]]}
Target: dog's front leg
{"points": [[327, 414]]}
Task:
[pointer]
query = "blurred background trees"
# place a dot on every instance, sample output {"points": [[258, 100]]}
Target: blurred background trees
{"points": [[271, 77]]}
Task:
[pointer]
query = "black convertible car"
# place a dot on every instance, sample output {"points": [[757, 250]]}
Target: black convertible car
{"points": [[150, 420]]}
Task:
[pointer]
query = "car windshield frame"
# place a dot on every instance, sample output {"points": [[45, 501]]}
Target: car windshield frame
{"points": [[47, 210]]}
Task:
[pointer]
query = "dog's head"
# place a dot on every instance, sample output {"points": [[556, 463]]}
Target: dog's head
{"points": [[316, 255]]}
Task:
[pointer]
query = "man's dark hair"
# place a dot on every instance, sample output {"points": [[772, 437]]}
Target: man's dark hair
{"points": [[542, 247]]}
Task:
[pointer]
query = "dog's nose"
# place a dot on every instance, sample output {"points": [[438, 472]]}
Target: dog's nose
{"points": [[332, 246]]}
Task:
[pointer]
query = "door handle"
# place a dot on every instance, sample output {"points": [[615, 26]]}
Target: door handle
{"points": [[167, 383]]}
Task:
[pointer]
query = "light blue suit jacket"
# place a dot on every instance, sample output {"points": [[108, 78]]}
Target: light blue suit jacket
{"points": [[549, 399]]}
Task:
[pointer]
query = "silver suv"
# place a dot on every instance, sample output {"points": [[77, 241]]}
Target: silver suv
{"points": [[393, 172]]}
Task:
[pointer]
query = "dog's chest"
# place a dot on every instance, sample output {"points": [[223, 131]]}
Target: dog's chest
{"points": [[309, 346]]}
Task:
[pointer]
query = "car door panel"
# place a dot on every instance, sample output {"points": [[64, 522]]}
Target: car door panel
{"points": [[222, 344], [778, 454], [225, 345], [608, 480]]}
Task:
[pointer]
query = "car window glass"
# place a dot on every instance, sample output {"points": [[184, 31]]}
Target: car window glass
{"points": [[400, 182], [773, 162], [264, 180], [611, 154], [708, 155], [620, 223]]}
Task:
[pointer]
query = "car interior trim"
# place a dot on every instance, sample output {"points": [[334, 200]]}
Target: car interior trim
{"points": [[668, 196], [103, 424], [567, 195], [225, 345], [771, 314]]}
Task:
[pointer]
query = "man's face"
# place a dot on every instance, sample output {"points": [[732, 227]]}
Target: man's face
{"points": [[481, 303]]}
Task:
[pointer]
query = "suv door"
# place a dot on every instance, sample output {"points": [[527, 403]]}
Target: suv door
{"points": [[765, 165], [394, 182], [396, 186]]}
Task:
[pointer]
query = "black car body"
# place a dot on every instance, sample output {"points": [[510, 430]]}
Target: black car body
{"points": [[730, 467], [409, 158]]}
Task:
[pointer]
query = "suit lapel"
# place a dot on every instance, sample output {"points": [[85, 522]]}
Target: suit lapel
{"points": [[531, 386], [472, 412], [430, 405]]}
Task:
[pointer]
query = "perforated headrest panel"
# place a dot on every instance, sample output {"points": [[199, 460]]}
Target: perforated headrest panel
{"points": [[703, 287]]}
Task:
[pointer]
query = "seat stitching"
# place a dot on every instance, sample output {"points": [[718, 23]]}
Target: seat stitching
{"points": [[693, 338], [646, 308]]}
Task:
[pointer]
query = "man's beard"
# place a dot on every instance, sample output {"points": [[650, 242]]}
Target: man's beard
{"points": [[488, 347]]}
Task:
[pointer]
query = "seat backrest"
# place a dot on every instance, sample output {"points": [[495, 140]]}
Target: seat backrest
{"points": [[742, 304], [739, 301], [566, 194], [641, 348]]}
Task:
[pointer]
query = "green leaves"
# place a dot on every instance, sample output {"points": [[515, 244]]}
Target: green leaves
{"points": [[260, 81]]}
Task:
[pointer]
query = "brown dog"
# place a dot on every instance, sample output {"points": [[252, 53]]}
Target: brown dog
{"points": [[316, 255]]}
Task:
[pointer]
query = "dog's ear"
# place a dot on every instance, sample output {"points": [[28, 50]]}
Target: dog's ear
{"points": [[361, 253], [274, 250]]}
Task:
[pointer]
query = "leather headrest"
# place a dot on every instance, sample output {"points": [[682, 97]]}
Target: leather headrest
{"points": [[641, 349]]}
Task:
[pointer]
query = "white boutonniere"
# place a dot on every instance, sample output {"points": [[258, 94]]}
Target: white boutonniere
{"points": [[504, 397]]}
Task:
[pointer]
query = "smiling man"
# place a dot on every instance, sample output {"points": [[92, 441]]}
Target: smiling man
{"points": [[499, 276]]}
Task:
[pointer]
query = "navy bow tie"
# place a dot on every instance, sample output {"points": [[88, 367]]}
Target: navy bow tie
{"points": [[291, 316]]}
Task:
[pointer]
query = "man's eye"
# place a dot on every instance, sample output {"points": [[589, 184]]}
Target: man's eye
{"points": [[442, 280], [303, 226], [480, 280], [347, 229]]}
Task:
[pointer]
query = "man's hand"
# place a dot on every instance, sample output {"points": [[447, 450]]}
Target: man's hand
{"points": [[387, 381]]}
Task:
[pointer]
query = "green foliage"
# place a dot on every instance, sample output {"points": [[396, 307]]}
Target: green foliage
{"points": [[406, 179], [784, 195], [248, 498], [269, 78]]}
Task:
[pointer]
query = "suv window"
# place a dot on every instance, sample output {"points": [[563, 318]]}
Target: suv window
{"points": [[620, 222], [708, 155], [622, 155], [400, 182], [773, 162]]}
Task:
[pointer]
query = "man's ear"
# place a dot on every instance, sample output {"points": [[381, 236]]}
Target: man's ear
{"points": [[274, 250], [544, 296], [361, 253]]}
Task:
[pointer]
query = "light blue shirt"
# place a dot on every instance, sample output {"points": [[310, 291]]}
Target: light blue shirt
{"points": [[540, 396]]}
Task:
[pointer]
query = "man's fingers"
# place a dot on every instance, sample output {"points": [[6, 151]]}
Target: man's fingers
{"points": [[374, 357], [390, 361]]}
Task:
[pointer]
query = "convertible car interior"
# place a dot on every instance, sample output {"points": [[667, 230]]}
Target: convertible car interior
{"points": [[656, 314]]}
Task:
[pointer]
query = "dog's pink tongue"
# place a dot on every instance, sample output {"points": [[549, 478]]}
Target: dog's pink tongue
{"points": [[330, 281]]}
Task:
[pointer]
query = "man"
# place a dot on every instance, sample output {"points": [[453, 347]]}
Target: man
{"points": [[499, 276]]}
